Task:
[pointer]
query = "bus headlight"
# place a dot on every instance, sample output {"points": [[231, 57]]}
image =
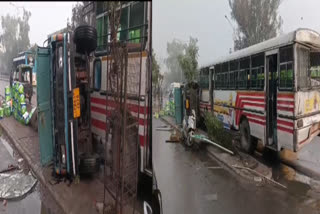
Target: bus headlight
{"points": [[300, 123]]}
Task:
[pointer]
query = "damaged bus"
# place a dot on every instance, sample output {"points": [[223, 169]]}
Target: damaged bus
{"points": [[269, 91], [134, 31]]}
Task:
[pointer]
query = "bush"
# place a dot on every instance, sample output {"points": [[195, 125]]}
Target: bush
{"points": [[216, 132]]}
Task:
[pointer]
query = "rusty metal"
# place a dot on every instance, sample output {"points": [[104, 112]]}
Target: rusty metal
{"points": [[120, 175]]}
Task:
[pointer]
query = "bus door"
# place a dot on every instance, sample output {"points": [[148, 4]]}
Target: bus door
{"points": [[271, 100]]}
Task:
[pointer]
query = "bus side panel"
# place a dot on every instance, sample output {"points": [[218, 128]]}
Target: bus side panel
{"points": [[204, 105], [230, 106], [98, 101], [308, 108], [224, 103], [285, 107]]}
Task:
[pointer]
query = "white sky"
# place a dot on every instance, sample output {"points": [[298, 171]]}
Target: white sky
{"points": [[46, 17], [205, 20]]}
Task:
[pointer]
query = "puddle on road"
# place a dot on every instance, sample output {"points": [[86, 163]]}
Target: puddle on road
{"points": [[37, 201]]}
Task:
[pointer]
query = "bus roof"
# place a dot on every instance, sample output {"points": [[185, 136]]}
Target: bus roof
{"points": [[301, 35]]}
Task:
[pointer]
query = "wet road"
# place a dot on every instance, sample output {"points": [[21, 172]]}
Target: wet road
{"points": [[188, 186], [38, 201], [31, 203]]}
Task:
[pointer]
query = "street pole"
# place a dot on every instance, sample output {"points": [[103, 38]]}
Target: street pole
{"points": [[233, 29]]}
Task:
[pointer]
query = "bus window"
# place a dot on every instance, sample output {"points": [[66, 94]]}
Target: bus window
{"points": [[99, 27], [97, 75], [234, 67], [225, 70], [244, 73], [123, 28], [136, 22], [257, 72], [286, 68], [315, 68]]}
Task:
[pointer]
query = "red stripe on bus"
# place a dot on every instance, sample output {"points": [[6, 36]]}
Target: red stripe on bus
{"points": [[111, 103], [102, 125], [285, 102], [286, 123], [286, 95], [282, 108], [141, 139], [103, 111], [285, 129], [251, 94], [252, 104], [99, 124], [253, 115], [257, 121], [252, 99]]}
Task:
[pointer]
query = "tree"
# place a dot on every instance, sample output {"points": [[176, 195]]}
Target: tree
{"points": [[189, 60], [257, 21], [14, 39], [157, 78], [174, 50], [76, 18]]}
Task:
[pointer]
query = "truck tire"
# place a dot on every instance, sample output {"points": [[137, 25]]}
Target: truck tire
{"points": [[246, 141], [85, 38]]}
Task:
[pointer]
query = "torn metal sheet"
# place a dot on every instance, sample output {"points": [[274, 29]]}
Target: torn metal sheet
{"points": [[16, 184]]}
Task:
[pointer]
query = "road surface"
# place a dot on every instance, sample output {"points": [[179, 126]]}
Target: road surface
{"points": [[36, 202], [188, 186]]}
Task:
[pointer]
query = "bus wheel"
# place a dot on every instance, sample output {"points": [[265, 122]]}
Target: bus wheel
{"points": [[246, 140]]}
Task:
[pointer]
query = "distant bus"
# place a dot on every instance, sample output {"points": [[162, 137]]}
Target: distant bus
{"points": [[26, 58], [269, 91]]}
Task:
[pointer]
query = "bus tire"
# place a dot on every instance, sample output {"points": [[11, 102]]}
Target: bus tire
{"points": [[246, 141]]}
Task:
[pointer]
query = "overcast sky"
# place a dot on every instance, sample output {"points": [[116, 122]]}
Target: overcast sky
{"points": [[205, 20], [46, 17]]}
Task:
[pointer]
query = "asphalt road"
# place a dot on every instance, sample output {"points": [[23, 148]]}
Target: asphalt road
{"points": [[188, 186], [31, 203]]}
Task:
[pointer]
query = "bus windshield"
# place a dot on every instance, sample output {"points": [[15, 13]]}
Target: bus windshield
{"points": [[314, 69], [308, 62]]}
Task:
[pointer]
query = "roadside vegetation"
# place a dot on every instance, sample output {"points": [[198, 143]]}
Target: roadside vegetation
{"points": [[216, 131]]}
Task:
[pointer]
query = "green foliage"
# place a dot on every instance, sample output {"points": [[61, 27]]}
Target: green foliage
{"points": [[174, 50], [216, 131], [156, 76], [189, 60], [14, 39], [76, 18], [257, 21]]}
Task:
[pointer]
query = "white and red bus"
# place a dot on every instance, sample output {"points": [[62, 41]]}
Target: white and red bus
{"points": [[135, 25], [269, 91]]}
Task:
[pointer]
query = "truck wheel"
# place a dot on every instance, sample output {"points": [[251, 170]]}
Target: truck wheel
{"points": [[246, 140], [85, 38]]}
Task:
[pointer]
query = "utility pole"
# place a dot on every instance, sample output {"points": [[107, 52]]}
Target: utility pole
{"points": [[233, 29]]}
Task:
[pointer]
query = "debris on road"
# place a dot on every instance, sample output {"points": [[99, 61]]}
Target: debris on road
{"points": [[165, 128], [211, 197], [10, 168], [16, 184], [257, 179], [205, 139], [175, 137], [253, 171], [214, 167]]}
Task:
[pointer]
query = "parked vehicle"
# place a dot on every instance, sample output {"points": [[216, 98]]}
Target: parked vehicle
{"points": [[26, 58], [135, 32], [269, 91]]}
